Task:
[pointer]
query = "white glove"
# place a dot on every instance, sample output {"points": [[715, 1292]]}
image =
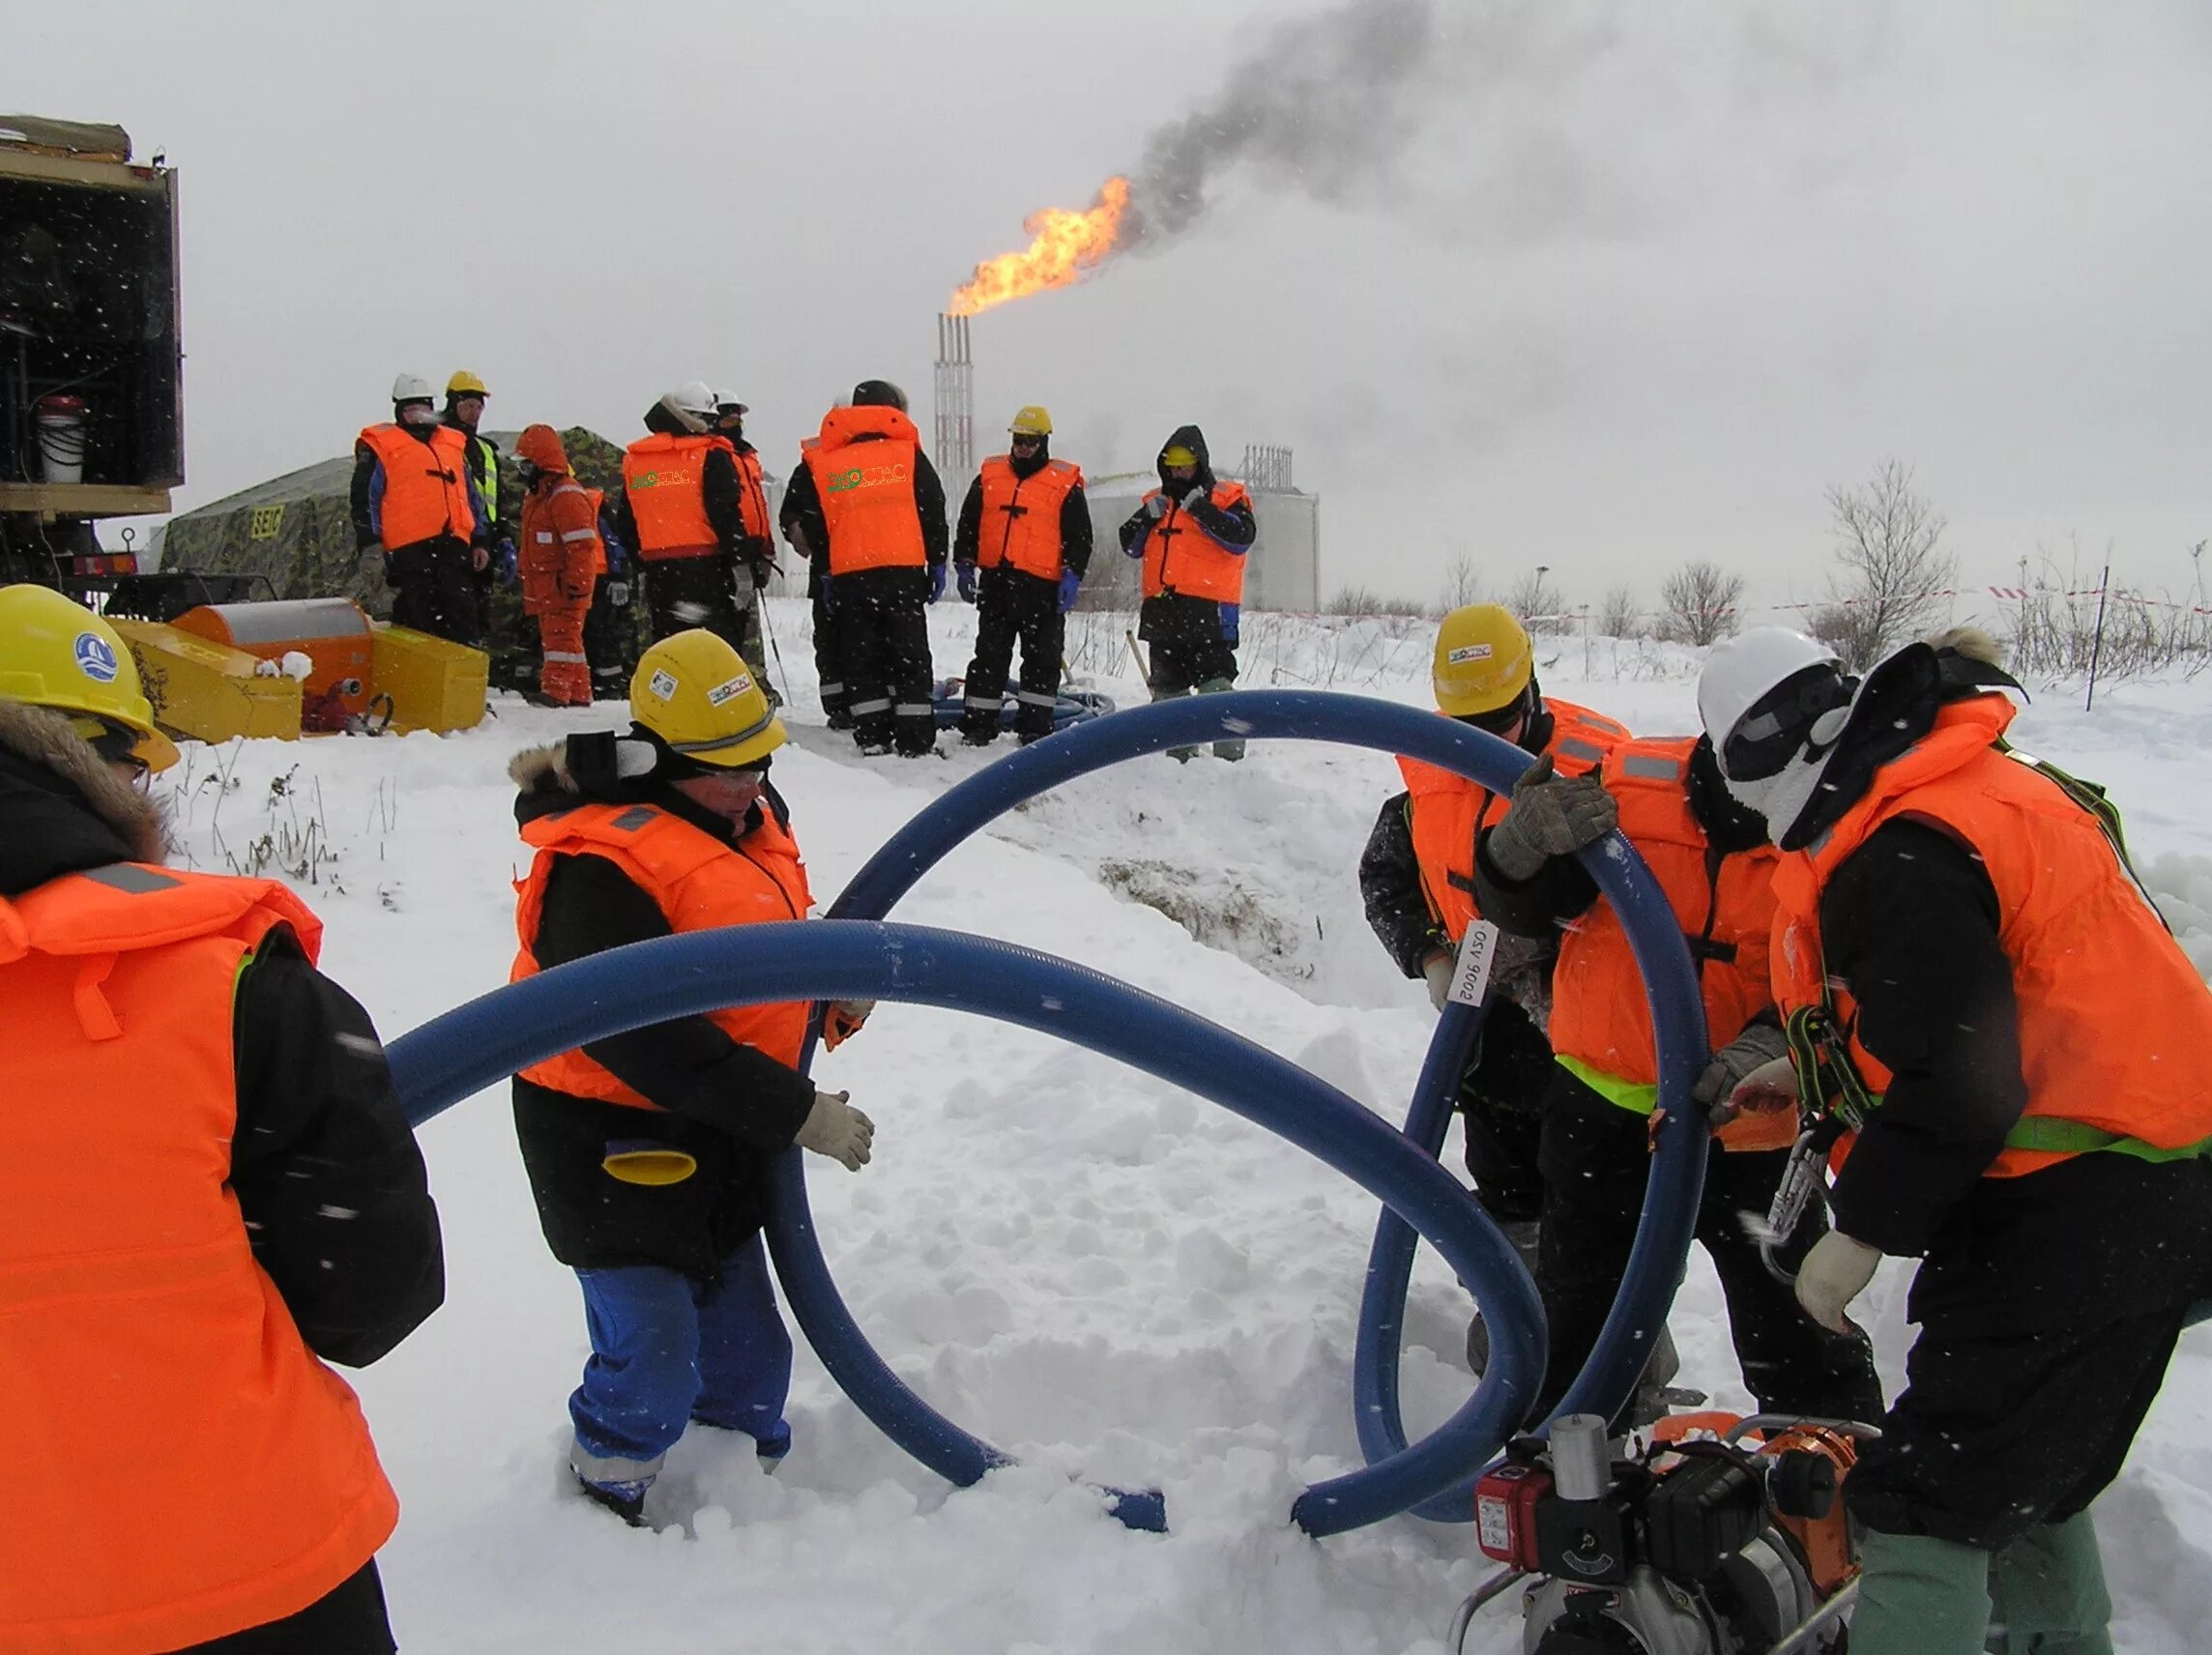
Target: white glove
{"points": [[1439, 970], [1196, 498], [834, 1128], [1835, 1272]]}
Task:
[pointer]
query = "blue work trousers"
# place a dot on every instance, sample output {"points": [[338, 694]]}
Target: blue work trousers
{"points": [[668, 1348]]}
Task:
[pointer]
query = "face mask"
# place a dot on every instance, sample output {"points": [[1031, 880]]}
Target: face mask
{"points": [[1782, 797], [418, 414]]}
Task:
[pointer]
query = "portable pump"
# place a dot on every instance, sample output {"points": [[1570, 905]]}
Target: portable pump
{"points": [[1726, 1537]]}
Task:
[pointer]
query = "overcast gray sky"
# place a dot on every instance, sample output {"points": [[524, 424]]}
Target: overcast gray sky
{"points": [[1601, 286]]}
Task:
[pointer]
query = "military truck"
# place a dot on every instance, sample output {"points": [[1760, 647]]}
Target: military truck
{"points": [[91, 380]]}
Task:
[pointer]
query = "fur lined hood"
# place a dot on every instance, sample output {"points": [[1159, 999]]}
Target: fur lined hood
{"points": [[61, 808], [1974, 643]]}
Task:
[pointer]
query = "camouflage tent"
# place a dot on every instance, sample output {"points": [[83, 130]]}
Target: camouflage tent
{"points": [[298, 528]]}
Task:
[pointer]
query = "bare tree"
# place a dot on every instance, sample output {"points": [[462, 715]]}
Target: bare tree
{"points": [[1701, 600], [1538, 602], [1361, 600], [1892, 576], [1618, 616], [1462, 584]]}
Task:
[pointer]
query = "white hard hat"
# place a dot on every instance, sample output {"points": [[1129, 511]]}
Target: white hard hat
{"points": [[1743, 670], [693, 397], [729, 402], [1774, 702], [412, 387]]}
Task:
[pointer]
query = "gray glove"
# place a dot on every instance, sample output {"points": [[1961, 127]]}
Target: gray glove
{"points": [[1759, 1044], [1156, 508], [1549, 816], [1439, 970], [834, 1128], [1196, 498]]}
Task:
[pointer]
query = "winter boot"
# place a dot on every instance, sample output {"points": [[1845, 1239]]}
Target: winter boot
{"points": [[1921, 1596], [1181, 755], [1229, 750], [626, 1500], [1522, 1233], [2047, 1589]]}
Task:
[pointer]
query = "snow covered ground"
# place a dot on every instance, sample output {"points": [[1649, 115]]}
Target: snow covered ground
{"points": [[1078, 1263]]}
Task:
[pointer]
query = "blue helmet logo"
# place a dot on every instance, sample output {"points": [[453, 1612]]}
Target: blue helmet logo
{"points": [[95, 658]]}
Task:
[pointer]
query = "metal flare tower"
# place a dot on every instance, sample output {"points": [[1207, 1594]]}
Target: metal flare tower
{"points": [[955, 447]]}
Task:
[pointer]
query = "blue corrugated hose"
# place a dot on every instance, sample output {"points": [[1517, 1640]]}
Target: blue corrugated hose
{"points": [[469, 1048]]}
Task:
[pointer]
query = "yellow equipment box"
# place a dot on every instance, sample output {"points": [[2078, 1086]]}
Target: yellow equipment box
{"points": [[209, 691], [433, 685]]}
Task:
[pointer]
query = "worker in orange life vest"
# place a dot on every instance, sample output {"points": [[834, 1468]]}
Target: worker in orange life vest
{"points": [[210, 1191], [682, 512], [1192, 533], [649, 1151], [414, 496], [1993, 1028], [560, 563], [1021, 549]]}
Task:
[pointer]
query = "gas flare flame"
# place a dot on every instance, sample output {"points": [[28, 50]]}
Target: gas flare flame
{"points": [[1064, 248]]}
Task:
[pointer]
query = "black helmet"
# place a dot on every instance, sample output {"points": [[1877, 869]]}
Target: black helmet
{"points": [[879, 393]]}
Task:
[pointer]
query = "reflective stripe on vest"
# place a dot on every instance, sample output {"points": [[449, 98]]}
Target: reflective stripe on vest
{"points": [[1724, 905], [425, 485], [1020, 523], [2110, 1011], [665, 479], [483, 465], [698, 883], [1181, 556], [1449, 812], [863, 469], [197, 1469]]}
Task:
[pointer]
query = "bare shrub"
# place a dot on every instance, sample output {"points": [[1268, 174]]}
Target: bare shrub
{"points": [[1700, 604], [1358, 601], [1892, 574], [1540, 605], [1618, 616], [1462, 584], [2052, 630]]}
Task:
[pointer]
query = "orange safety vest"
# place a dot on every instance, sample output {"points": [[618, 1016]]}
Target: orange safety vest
{"points": [[752, 495], [1020, 524], [1449, 812], [183, 1465], [548, 546], [699, 883], [866, 489], [665, 479], [425, 485], [1181, 557], [2114, 1022], [1601, 1016]]}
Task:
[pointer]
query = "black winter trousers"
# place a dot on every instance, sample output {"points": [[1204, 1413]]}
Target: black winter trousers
{"points": [[828, 673], [682, 593], [1011, 605], [1595, 1160], [1502, 1110], [1189, 643], [610, 640], [349, 1620], [882, 642], [434, 590]]}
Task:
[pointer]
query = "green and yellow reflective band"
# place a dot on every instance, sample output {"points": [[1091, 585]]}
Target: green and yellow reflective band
{"points": [[1638, 1098], [2054, 1135]]}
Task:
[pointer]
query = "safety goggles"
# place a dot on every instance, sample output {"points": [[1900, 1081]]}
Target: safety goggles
{"points": [[1782, 723]]}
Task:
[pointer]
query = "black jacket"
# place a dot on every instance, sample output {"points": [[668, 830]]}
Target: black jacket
{"points": [[327, 1178], [1075, 516], [730, 1106], [803, 508], [1235, 527], [721, 490]]}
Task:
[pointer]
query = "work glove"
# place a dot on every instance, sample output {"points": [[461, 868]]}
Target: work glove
{"points": [[936, 582], [1196, 498], [617, 593], [966, 574], [509, 569], [480, 559], [1550, 815], [1759, 1111], [842, 1019], [1440, 968], [834, 1128], [1156, 507], [1070, 583], [1759, 1045], [1835, 1272]]}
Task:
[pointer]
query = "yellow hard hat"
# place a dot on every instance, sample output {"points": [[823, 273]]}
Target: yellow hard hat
{"points": [[696, 693], [1178, 456], [1032, 421], [59, 655], [1483, 660], [465, 384]]}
